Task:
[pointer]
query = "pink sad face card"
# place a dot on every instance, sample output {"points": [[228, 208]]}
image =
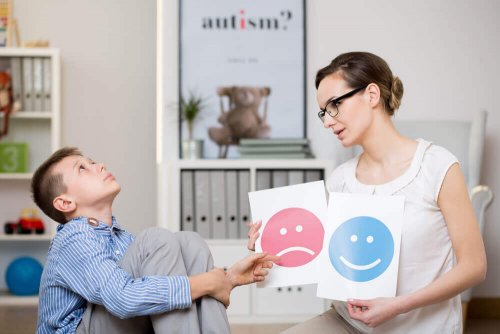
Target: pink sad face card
{"points": [[292, 228]]}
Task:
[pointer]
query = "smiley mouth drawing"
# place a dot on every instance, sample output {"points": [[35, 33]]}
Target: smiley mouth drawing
{"points": [[361, 249], [295, 235], [356, 267]]}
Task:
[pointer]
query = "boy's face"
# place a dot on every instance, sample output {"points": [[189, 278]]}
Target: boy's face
{"points": [[88, 184]]}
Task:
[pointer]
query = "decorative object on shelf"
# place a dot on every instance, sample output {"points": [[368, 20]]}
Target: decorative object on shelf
{"points": [[13, 157], [28, 223], [7, 104], [191, 107], [242, 44], [242, 118], [279, 148], [39, 43], [23, 276], [5, 21]]}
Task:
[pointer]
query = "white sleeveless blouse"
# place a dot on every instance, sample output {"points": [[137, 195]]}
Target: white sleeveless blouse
{"points": [[426, 249]]}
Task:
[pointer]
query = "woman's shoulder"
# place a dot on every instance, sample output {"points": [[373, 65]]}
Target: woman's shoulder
{"points": [[436, 157]]}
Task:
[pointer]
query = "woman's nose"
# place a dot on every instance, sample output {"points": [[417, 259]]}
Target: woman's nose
{"points": [[328, 121]]}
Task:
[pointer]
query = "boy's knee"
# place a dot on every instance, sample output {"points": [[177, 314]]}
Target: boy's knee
{"points": [[193, 240], [157, 237]]}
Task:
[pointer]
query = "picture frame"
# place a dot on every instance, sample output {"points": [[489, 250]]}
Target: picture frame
{"points": [[233, 51]]}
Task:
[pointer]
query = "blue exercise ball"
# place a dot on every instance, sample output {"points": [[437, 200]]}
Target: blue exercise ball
{"points": [[23, 276]]}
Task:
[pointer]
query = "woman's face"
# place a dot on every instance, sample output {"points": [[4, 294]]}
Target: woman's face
{"points": [[355, 114]]}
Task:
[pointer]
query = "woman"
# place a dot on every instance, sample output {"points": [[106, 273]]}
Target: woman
{"points": [[442, 252]]}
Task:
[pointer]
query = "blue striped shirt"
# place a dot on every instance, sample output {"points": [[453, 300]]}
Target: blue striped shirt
{"points": [[82, 265]]}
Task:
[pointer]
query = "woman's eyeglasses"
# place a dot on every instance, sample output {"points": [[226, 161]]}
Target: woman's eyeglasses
{"points": [[332, 106]]}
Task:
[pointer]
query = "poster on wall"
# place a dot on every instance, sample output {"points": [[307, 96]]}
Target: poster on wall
{"points": [[245, 62]]}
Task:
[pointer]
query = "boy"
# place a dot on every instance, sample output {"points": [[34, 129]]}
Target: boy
{"points": [[100, 279]]}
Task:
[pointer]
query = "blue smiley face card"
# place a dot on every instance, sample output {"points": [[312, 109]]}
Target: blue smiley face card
{"points": [[361, 247]]}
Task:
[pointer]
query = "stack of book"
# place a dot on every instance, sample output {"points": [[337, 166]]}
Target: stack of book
{"points": [[278, 148]]}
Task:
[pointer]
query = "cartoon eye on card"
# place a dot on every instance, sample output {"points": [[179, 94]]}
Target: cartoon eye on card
{"points": [[294, 234], [361, 248]]}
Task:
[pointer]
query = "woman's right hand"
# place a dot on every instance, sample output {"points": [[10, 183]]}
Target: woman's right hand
{"points": [[253, 234]]}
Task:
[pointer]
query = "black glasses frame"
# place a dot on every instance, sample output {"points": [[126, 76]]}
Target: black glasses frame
{"points": [[335, 101]]}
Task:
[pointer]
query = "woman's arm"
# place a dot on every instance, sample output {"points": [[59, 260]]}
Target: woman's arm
{"points": [[468, 246]]}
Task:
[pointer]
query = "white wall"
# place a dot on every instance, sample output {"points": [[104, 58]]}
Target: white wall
{"points": [[108, 51], [444, 51]]}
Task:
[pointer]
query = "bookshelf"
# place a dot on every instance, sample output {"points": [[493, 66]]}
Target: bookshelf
{"points": [[248, 303], [38, 125]]}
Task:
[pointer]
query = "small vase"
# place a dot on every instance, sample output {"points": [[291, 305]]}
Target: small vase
{"points": [[192, 149]]}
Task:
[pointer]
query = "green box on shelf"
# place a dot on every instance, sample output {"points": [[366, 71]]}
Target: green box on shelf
{"points": [[13, 157]]}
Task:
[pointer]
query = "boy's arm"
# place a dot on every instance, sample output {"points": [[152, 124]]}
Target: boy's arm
{"points": [[85, 268], [218, 284]]}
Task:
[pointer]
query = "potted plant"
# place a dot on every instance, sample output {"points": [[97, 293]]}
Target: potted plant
{"points": [[191, 107]]}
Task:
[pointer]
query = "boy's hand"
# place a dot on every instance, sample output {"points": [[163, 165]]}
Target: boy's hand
{"points": [[251, 269], [214, 283], [253, 234], [222, 286]]}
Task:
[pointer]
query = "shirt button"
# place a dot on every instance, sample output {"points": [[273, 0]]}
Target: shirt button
{"points": [[117, 252]]}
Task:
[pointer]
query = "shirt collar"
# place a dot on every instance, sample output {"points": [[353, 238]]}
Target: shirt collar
{"points": [[88, 220]]}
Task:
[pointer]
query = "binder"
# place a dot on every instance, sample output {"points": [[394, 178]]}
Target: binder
{"points": [[187, 201], [218, 204], [263, 180], [17, 79], [202, 202], [37, 83], [27, 66], [47, 85], [295, 177], [232, 204], [244, 207], [280, 178], [312, 175]]}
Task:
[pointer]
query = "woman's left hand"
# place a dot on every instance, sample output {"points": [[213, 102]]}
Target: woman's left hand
{"points": [[374, 312]]}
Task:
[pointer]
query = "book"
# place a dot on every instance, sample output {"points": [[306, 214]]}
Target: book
{"points": [[274, 141], [274, 155], [273, 149]]}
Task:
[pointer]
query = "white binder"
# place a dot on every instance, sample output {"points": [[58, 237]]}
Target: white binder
{"points": [[312, 175], [37, 83], [187, 198], [218, 204], [279, 178], [202, 202], [17, 79], [47, 84], [263, 179], [27, 66], [295, 177], [232, 204], [244, 207]]}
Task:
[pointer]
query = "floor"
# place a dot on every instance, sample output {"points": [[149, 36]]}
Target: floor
{"points": [[16, 320]]}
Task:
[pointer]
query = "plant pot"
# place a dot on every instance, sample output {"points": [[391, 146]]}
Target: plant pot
{"points": [[192, 149]]}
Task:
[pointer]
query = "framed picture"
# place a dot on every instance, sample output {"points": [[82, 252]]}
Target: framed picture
{"points": [[246, 61]]}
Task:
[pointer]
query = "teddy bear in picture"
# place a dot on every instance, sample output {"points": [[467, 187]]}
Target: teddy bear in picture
{"points": [[242, 118]]}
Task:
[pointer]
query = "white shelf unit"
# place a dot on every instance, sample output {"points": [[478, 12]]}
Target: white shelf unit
{"points": [[41, 130], [249, 304]]}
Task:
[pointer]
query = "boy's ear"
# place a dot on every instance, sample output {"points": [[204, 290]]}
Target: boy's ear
{"points": [[64, 203]]}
